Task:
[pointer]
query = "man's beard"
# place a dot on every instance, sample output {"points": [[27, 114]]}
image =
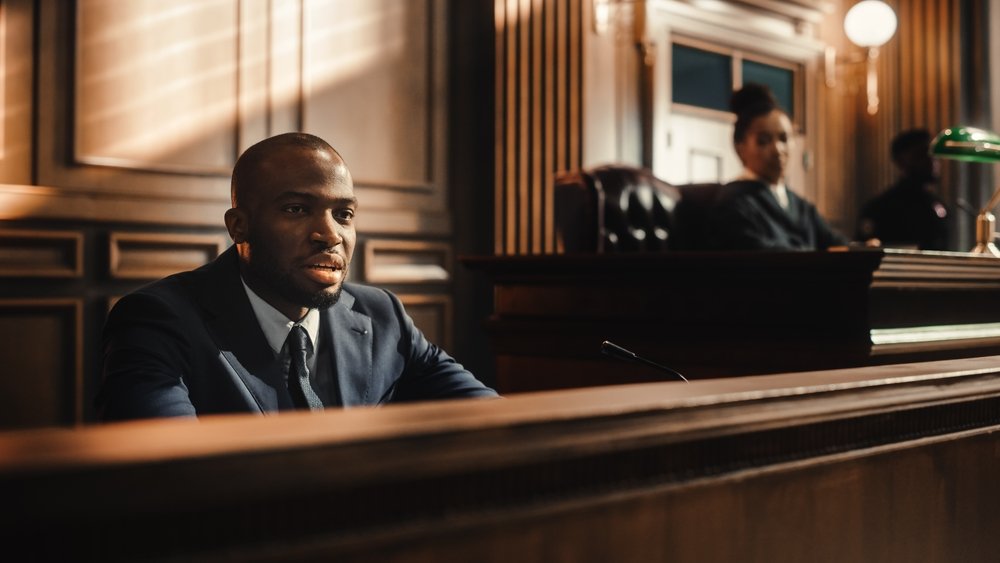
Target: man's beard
{"points": [[264, 266]]}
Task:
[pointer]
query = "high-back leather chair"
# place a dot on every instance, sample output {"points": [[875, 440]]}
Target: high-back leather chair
{"points": [[620, 208]]}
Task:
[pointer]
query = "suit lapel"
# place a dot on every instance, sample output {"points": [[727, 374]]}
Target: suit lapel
{"points": [[348, 333], [788, 218], [238, 334]]}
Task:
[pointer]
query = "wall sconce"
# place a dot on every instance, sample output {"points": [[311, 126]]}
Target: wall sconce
{"points": [[608, 14], [868, 24], [602, 16], [974, 145]]}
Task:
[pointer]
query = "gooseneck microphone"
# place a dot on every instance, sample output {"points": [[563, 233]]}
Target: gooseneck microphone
{"points": [[615, 351]]}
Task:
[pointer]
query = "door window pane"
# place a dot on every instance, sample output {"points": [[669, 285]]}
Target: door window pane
{"points": [[779, 80], [701, 78]]}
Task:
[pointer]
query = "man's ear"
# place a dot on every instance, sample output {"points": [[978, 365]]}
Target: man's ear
{"points": [[237, 223]]}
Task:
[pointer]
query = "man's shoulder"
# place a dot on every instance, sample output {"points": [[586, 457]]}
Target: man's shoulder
{"points": [[363, 297], [180, 289]]}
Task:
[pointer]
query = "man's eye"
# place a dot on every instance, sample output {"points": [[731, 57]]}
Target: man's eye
{"points": [[344, 215]]}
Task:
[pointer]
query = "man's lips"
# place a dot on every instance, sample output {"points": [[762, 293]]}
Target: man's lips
{"points": [[326, 269]]}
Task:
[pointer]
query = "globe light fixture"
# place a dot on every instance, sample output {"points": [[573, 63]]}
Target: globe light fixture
{"points": [[869, 24]]}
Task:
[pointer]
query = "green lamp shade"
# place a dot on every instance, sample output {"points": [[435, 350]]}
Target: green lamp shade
{"points": [[967, 143]]}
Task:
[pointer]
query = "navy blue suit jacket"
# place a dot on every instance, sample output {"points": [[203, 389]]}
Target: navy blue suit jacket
{"points": [[190, 345]]}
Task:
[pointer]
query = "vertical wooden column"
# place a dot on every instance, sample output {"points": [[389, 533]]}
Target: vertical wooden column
{"points": [[539, 46]]}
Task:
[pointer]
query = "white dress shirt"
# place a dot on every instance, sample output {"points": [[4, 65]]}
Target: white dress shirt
{"points": [[276, 326], [779, 190]]}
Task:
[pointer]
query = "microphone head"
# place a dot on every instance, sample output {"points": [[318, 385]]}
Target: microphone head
{"points": [[615, 351]]}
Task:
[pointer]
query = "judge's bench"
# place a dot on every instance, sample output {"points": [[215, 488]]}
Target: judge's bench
{"points": [[713, 314]]}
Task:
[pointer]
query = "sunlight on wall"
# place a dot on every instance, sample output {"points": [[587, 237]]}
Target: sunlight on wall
{"points": [[157, 79], [370, 85], [184, 86]]}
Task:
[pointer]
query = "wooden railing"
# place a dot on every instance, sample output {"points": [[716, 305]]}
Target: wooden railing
{"points": [[888, 463]]}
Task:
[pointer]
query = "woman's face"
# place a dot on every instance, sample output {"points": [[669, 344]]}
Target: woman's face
{"points": [[764, 149]]}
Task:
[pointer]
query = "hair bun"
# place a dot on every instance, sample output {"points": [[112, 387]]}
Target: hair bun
{"points": [[753, 97]]}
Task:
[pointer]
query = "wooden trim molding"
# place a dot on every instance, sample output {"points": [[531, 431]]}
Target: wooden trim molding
{"points": [[66, 391], [41, 254], [400, 261], [155, 255]]}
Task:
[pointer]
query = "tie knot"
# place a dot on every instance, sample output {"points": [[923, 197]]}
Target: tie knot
{"points": [[298, 339]]}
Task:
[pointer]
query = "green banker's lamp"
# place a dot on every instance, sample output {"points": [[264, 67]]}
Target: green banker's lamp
{"points": [[974, 145]]}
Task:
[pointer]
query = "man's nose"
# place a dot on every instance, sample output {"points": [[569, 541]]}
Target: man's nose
{"points": [[327, 231]]}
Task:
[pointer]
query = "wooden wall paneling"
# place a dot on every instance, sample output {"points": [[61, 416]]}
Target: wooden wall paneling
{"points": [[285, 68], [501, 124], [511, 115], [255, 65], [562, 88], [17, 61], [574, 63], [537, 108], [104, 76], [155, 89], [156, 255], [41, 254], [42, 376], [549, 115], [382, 103], [538, 112], [524, 101], [400, 261], [432, 314]]}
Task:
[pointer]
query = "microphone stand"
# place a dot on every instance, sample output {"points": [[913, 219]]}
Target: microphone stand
{"points": [[613, 350]]}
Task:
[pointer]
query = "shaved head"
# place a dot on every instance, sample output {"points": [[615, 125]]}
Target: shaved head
{"points": [[259, 162], [292, 220]]}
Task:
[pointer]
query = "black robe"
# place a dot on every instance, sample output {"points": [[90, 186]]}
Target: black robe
{"points": [[748, 217]]}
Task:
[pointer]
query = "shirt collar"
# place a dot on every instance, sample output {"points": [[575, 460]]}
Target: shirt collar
{"points": [[276, 325], [779, 189]]}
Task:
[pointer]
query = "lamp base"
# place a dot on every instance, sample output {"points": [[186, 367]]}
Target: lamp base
{"points": [[988, 248], [985, 233]]}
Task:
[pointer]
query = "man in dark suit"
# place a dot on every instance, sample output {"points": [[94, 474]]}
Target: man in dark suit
{"points": [[271, 324], [908, 214]]}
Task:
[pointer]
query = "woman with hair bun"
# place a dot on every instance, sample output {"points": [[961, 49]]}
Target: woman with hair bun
{"points": [[757, 210]]}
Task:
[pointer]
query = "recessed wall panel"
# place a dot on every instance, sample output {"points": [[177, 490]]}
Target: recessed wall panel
{"points": [[41, 380], [157, 84], [432, 315], [371, 87]]}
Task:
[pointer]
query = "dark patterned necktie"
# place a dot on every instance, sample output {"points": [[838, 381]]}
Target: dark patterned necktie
{"points": [[298, 371]]}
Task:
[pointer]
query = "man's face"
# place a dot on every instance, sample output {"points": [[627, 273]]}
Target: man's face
{"points": [[298, 230], [916, 163], [764, 149]]}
